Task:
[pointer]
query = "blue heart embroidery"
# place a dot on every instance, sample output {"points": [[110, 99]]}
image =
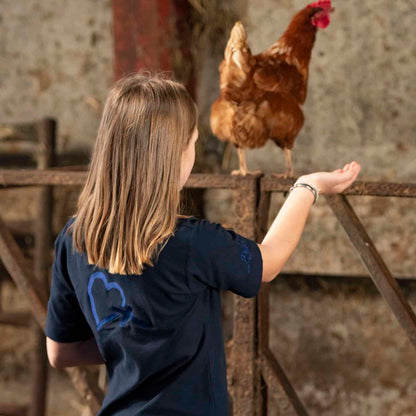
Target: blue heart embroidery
{"points": [[124, 312], [245, 253]]}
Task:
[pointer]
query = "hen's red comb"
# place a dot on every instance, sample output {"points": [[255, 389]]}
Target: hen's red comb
{"points": [[323, 4]]}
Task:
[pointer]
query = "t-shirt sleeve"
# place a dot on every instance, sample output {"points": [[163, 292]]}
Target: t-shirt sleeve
{"points": [[223, 259], [65, 321]]}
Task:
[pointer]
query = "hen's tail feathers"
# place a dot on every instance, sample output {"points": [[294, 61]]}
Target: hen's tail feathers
{"points": [[235, 45], [237, 59]]}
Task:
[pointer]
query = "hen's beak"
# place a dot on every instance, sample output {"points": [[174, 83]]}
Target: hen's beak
{"points": [[331, 10]]}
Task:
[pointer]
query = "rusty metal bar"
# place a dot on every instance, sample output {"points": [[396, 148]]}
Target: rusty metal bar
{"points": [[263, 213], [15, 318], [263, 297], [43, 241], [284, 400], [33, 177], [405, 190], [295, 275], [60, 176], [263, 340], [16, 265], [279, 386], [244, 377], [372, 259]]}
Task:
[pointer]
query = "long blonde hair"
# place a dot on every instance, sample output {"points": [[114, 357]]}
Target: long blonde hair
{"points": [[129, 205]]}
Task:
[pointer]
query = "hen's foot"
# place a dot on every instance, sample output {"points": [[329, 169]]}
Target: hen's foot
{"points": [[248, 172]]}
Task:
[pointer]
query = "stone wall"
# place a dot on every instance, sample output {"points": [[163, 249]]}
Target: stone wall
{"points": [[56, 61], [340, 344]]}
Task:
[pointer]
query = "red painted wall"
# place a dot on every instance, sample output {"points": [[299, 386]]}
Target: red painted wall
{"points": [[146, 32]]}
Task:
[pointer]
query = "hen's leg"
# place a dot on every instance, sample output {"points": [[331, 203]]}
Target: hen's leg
{"points": [[242, 163], [243, 167], [289, 168]]}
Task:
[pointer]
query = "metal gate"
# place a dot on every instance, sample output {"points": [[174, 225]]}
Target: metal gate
{"points": [[253, 371]]}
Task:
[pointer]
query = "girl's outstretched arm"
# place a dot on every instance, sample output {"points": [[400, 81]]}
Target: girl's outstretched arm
{"points": [[70, 354], [285, 232]]}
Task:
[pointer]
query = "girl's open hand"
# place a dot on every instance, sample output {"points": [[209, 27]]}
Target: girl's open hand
{"points": [[333, 182]]}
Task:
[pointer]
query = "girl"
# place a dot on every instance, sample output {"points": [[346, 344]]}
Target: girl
{"points": [[135, 285]]}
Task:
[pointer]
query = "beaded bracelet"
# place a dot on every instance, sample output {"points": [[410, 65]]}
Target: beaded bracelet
{"points": [[314, 189]]}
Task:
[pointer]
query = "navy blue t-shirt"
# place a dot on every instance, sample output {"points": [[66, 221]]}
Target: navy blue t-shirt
{"points": [[159, 333]]}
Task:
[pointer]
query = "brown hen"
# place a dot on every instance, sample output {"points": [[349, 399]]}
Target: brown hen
{"points": [[261, 95]]}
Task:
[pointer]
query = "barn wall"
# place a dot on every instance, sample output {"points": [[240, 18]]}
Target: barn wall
{"points": [[340, 344], [56, 61]]}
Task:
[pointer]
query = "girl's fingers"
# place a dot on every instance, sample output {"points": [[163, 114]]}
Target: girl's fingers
{"points": [[353, 167]]}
